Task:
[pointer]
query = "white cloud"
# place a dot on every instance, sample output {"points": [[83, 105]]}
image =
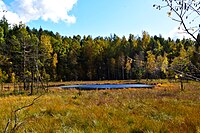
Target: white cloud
{"points": [[178, 32], [13, 18], [27, 10]]}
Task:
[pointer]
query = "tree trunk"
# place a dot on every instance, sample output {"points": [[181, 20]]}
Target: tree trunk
{"points": [[32, 82]]}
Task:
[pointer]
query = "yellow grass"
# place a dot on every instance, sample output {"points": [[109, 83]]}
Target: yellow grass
{"points": [[162, 109]]}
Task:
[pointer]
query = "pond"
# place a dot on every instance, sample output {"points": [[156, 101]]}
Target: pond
{"points": [[106, 86]]}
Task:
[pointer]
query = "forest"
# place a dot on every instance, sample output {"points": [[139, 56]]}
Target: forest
{"points": [[31, 54], [35, 63]]}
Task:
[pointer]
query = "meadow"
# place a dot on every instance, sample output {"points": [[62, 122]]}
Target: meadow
{"points": [[164, 108]]}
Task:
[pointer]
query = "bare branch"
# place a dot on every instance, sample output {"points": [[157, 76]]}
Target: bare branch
{"points": [[183, 9], [7, 125], [16, 123], [186, 74]]}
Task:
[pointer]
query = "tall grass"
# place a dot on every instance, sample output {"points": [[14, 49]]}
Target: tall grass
{"points": [[162, 109]]}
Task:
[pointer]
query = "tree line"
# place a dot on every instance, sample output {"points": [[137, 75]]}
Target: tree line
{"points": [[29, 55]]}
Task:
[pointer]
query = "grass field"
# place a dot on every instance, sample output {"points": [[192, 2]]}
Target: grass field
{"points": [[162, 109]]}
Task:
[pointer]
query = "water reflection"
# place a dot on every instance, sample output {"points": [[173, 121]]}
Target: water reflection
{"points": [[106, 86]]}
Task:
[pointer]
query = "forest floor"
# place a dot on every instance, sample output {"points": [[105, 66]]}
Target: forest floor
{"points": [[164, 108]]}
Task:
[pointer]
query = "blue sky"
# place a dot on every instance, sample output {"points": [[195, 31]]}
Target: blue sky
{"points": [[93, 17]]}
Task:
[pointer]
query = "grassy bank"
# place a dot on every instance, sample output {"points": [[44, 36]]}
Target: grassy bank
{"points": [[162, 109]]}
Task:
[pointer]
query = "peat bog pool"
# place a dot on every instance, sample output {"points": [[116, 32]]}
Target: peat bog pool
{"points": [[106, 86]]}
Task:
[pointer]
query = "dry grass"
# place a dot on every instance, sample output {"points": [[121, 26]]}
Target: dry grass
{"points": [[162, 109]]}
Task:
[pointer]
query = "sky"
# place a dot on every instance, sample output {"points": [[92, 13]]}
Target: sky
{"points": [[91, 17]]}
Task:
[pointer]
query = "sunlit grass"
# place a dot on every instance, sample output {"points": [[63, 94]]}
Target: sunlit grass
{"points": [[162, 109]]}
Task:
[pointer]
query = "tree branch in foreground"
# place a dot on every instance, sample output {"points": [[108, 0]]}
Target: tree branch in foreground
{"points": [[15, 117]]}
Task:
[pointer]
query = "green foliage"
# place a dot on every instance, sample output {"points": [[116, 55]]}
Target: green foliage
{"points": [[139, 65], [3, 76], [181, 62], [85, 58], [151, 62], [162, 64], [1, 35]]}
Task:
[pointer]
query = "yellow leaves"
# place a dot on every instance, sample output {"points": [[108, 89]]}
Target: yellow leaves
{"points": [[1, 32], [169, 13], [46, 44], [27, 73], [55, 60], [162, 63], [0, 73], [13, 77], [145, 39], [128, 64], [3, 76], [151, 61], [183, 53]]}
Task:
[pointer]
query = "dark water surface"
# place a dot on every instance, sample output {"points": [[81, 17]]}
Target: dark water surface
{"points": [[106, 86]]}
